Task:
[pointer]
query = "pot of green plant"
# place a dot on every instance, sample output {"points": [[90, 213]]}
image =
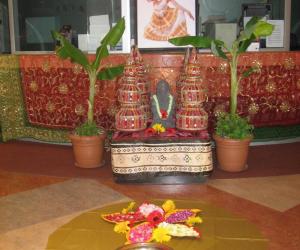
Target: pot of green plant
{"points": [[232, 136], [231, 126], [88, 139]]}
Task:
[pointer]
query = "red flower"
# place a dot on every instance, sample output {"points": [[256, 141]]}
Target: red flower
{"points": [[155, 217], [150, 131], [164, 114]]}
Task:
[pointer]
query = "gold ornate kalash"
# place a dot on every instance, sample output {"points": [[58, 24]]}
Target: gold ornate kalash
{"points": [[191, 116], [142, 83], [131, 117]]}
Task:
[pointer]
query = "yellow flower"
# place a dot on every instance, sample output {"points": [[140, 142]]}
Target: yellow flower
{"points": [[159, 128], [161, 235], [129, 208], [193, 220], [122, 227], [169, 206]]}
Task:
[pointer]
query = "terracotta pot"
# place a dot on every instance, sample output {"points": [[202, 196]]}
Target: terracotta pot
{"points": [[232, 154], [88, 150]]}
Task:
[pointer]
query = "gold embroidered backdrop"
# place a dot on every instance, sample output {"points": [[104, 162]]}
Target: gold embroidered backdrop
{"points": [[55, 92]]}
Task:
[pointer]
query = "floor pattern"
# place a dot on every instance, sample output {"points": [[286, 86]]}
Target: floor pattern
{"points": [[40, 193], [27, 218], [278, 192]]}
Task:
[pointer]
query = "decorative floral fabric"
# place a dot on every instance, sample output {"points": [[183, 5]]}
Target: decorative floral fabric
{"points": [[12, 112], [55, 91]]}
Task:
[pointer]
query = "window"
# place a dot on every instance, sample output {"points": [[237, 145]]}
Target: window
{"points": [[223, 19], [4, 27], [83, 22], [295, 25]]}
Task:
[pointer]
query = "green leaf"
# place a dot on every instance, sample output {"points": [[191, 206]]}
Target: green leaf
{"points": [[245, 44], [263, 29], [249, 29], [88, 129], [252, 22], [216, 49], [233, 126], [101, 53], [256, 27], [115, 34], [110, 73], [66, 50], [249, 71], [196, 41]]}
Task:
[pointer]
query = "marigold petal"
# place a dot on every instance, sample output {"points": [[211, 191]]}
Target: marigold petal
{"points": [[122, 227], [161, 235], [169, 206]]}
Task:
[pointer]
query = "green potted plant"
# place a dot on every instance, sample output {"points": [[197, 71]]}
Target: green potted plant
{"points": [[88, 138], [233, 133]]}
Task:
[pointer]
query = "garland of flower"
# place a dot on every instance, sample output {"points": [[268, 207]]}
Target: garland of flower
{"points": [[158, 107]]}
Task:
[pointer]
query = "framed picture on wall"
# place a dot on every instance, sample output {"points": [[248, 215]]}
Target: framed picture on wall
{"points": [[160, 20]]}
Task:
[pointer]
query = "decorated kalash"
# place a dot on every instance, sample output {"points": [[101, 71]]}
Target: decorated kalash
{"points": [[150, 222], [161, 137]]}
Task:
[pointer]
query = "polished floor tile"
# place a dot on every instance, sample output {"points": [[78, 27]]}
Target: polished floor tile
{"points": [[35, 237], [43, 202], [278, 192], [48, 202], [15, 182]]}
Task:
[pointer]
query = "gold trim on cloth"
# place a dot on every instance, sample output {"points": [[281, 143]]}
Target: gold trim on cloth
{"points": [[253, 108], [289, 63], [285, 106], [79, 109], [135, 158], [33, 86], [63, 89]]}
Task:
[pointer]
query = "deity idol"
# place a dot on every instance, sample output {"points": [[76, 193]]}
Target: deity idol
{"points": [[163, 106]]}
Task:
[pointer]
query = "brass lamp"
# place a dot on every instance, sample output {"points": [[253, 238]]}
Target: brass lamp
{"points": [[145, 246]]}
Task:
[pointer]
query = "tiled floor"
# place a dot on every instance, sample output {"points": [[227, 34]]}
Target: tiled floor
{"points": [[41, 189], [277, 192]]}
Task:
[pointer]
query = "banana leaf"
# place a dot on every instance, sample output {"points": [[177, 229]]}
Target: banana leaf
{"points": [[216, 49], [110, 73], [66, 50], [196, 41], [111, 38]]}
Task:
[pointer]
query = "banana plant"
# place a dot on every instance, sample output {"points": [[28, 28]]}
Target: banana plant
{"points": [[94, 69], [254, 29]]}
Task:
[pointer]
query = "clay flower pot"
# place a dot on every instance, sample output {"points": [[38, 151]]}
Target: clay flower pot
{"points": [[88, 150], [232, 154]]}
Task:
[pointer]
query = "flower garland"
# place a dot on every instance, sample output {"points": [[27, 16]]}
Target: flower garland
{"points": [[150, 222], [163, 114]]}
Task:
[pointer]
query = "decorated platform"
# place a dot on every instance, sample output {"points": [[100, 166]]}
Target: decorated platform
{"points": [[171, 158]]}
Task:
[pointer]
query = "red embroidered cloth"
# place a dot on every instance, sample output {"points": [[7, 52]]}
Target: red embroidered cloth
{"points": [[56, 91]]}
